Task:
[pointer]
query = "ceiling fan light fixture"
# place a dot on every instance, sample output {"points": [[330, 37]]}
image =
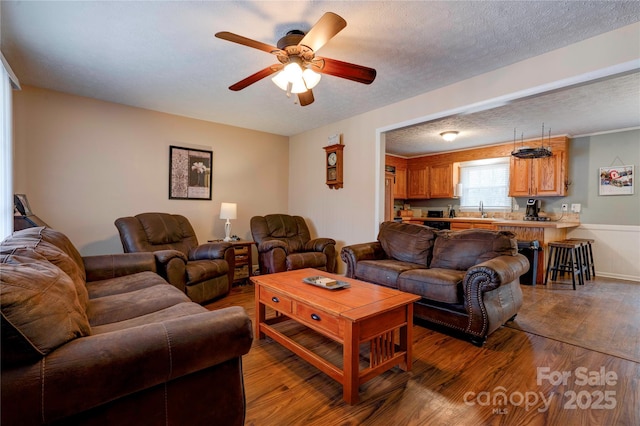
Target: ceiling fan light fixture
{"points": [[281, 81], [311, 78], [293, 71], [449, 135], [298, 86]]}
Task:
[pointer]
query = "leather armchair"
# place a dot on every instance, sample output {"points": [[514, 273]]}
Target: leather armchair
{"points": [[202, 271], [285, 244]]}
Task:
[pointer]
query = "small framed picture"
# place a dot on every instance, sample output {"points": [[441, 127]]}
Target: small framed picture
{"points": [[189, 173], [22, 204], [616, 180]]}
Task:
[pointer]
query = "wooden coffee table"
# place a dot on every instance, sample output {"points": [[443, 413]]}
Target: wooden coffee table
{"points": [[361, 313]]}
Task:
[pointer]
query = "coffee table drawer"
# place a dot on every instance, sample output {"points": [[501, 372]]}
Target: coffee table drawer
{"points": [[317, 318], [275, 300]]}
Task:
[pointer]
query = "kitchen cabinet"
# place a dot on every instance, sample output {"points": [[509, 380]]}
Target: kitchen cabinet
{"points": [[417, 181], [542, 177], [400, 184], [441, 180]]}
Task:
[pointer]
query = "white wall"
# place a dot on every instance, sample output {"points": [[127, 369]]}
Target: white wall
{"points": [[353, 213], [83, 163]]}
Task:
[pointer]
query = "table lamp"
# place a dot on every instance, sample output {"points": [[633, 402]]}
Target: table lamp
{"points": [[227, 211]]}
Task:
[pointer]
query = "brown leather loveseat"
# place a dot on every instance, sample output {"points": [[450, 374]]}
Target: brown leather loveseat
{"points": [[469, 280], [104, 340]]}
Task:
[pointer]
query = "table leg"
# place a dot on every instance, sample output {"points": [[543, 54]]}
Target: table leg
{"points": [[260, 313], [351, 369], [406, 339]]}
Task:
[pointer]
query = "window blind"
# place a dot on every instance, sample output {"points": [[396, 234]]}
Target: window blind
{"points": [[486, 181]]}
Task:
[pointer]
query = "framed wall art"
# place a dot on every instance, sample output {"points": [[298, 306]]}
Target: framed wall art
{"points": [[189, 173], [616, 180]]}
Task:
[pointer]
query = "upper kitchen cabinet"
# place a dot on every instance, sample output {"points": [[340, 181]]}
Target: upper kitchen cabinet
{"points": [[542, 177], [441, 180], [417, 181]]}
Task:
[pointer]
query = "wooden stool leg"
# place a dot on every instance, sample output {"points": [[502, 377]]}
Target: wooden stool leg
{"points": [[551, 252], [573, 266]]}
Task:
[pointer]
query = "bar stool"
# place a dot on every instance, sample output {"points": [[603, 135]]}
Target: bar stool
{"points": [[587, 255], [564, 256]]}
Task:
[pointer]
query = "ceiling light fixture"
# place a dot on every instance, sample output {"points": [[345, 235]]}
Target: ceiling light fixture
{"points": [[449, 135], [292, 79], [527, 151]]}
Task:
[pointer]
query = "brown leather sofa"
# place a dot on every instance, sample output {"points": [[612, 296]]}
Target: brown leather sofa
{"points": [[284, 244], [202, 271], [469, 280], [104, 340]]}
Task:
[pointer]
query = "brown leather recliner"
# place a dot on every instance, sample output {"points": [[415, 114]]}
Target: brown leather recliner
{"points": [[284, 244], [204, 272]]}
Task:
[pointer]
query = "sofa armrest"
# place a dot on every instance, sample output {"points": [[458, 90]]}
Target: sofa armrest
{"points": [[107, 266], [352, 254], [268, 245], [210, 251], [489, 275], [319, 244], [93, 370], [492, 293]]}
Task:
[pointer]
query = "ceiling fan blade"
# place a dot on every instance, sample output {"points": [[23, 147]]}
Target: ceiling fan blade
{"points": [[345, 70], [327, 26], [306, 98], [235, 38], [256, 77]]}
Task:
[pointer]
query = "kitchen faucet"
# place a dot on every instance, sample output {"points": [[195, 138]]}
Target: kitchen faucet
{"points": [[482, 213]]}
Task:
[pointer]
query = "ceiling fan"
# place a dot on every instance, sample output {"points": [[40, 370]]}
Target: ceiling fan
{"points": [[299, 68]]}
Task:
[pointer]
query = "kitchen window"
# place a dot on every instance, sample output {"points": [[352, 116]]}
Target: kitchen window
{"points": [[485, 181]]}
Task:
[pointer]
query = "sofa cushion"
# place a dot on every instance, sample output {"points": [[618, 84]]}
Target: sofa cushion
{"points": [[461, 250], [143, 301], [407, 242], [54, 237], [57, 249], [383, 272], [40, 309], [175, 311], [122, 284], [441, 285]]}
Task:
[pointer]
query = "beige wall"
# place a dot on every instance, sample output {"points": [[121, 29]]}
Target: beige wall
{"points": [[83, 163], [352, 214]]}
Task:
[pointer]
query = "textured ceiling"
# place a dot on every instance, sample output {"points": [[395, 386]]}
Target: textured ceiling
{"points": [[164, 56], [601, 106]]}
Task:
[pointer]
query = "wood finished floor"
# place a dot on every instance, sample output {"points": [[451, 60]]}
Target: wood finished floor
{"points": [[596, 328]]}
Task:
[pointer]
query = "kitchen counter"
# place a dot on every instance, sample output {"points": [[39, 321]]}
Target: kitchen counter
{"points": [[498, 222]]}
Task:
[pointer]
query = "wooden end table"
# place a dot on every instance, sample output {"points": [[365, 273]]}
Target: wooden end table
{"points": [[361, 313]]}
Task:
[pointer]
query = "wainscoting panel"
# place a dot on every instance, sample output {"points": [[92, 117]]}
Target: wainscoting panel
{"points": [[616, 249]]}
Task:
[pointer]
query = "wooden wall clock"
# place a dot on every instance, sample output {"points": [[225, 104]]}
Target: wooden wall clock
{"points": [[334, 165]]}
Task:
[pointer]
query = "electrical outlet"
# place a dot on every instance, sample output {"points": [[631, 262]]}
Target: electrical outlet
{"points": [[565, 207], [575, 208]]}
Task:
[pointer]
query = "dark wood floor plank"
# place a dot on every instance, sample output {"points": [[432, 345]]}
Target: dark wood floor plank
{"points": [[558, 331]]}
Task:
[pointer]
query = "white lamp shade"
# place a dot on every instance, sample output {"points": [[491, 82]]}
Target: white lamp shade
{"points": [[293, 71], [311, 78], [281, 81], [228, 210], [298, 86]]}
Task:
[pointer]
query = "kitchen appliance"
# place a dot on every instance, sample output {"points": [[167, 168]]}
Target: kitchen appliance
{"points": [[437, 224], [533, 208]]}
